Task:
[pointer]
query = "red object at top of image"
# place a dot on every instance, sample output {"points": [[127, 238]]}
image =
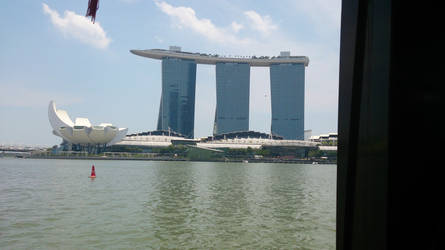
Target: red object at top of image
{"points": [[93, 6]]}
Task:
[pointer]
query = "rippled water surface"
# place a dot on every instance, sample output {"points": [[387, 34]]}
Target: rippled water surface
{"points": [[177, 205]]}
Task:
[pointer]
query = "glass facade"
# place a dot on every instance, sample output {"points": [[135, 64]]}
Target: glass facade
{"points": [[177, 109], [232, 97], [287, 96]]}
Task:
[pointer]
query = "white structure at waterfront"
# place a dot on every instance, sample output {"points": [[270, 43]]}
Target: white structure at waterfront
{"points": [[81, 131], [152, 141], [333, 137], [235, 143], [255, 143], [201, 58]]}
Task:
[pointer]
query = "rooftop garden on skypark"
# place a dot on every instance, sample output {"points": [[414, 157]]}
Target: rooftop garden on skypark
{"points": [[285, 55]]}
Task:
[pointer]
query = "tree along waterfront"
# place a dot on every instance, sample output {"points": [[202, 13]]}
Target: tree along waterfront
{"points": [[186, 153]]}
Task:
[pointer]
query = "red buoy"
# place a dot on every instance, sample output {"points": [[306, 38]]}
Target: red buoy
{"points": [[93, 173]]}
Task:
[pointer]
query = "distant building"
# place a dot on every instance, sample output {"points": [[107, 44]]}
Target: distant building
{"points": [[232, 89], [177, 109], [287, 93], [232, 140], [232, 86], [232, 97], [241, 134], [307, 134], [150, 139], [331, 137], [81, 133], [254, 140]]}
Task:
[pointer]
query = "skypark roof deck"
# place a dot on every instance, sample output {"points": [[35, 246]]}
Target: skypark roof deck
{"points": [[200, 58]]}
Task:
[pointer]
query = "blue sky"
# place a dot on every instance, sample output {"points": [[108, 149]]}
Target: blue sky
{"points": [[49, 51]]}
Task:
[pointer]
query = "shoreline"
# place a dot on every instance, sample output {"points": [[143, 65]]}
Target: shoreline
{"points": [[288, 161]]}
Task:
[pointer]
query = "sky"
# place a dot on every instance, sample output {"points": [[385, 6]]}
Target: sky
{"points": [[49, 51]]}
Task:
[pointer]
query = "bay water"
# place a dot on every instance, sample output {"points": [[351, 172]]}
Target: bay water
{"points": [[52, 204]]}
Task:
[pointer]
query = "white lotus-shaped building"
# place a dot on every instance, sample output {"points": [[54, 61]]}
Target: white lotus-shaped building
{"points": [[81, 131]]}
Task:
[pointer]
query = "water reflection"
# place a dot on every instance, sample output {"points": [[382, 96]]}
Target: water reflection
{"points": [[53, 204]]}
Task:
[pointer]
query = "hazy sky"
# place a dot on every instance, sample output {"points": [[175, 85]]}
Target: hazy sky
{"points": [[50, 51]]}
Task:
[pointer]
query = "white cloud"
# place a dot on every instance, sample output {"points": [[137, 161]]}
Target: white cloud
{"points": [[186, 17], [321, 97], [261, 23], [78, 27], [159, 39], [236, 26], [323, 15]]}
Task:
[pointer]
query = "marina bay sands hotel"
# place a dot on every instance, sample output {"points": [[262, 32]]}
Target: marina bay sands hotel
{"points": [[177, 109]]}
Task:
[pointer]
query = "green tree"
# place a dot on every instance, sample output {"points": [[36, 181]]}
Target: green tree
{"points": [[315, 153]]}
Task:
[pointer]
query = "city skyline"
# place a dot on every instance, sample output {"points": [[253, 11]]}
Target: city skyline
{"points": [[50, 51]]}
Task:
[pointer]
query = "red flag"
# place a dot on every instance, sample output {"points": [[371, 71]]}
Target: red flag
{"points": [[93, 6]]}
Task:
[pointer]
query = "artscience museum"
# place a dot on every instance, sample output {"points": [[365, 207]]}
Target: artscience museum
{"points": [[81, 134]]}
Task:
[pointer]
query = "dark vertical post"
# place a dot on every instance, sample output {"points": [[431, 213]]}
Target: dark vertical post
{"points": [[391, 63]]}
